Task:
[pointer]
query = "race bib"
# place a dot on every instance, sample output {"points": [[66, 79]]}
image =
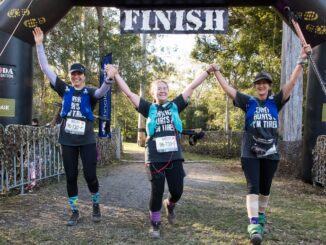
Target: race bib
{"points": [[74, 126], [166, 144]]}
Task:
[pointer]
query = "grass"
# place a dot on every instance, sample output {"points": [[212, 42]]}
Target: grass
{"points": [[196, 157], [211, 211], [132, 147]]}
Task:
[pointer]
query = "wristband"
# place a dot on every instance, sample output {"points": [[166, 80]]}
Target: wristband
{"points": [[301, 61], [108, 81]]}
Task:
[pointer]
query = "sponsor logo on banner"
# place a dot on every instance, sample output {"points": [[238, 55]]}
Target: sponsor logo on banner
{"points": [[15, 13], [174, 21], [6, 72], [7, 107], [105, 102]]}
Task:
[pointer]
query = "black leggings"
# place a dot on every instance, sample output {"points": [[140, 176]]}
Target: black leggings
{"points": [[70, 156], [174, 175], [259, 174]]}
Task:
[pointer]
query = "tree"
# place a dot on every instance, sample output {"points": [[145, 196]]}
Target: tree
{"points": [[291, 115]]}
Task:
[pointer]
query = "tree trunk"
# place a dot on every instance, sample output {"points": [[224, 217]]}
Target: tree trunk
{"points": [[227, 115], [100, 29], [290, 117], [141, 137]]}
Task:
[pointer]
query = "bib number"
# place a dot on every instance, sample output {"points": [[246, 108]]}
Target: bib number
{"points": [[166, 144], [74, 126]]}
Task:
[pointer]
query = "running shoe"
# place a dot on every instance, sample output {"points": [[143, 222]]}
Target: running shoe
{"points": [[255, 233], [96, 213], [169, 210], [155, 230], [73, 218], [262, 219]]}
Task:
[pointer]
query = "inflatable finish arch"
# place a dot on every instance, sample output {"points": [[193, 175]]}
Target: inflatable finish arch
{"points": [[16, 61]]}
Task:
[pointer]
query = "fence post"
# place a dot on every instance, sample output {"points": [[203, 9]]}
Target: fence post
{"points": [[2, 175], [118, 143], [229, 141], [21, 169]]}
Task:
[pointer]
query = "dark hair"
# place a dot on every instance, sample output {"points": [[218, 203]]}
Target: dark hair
{"points": [[263, 75], [35, 120]]}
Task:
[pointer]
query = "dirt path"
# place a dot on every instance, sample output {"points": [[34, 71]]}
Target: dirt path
{"points": [[206, 208]]}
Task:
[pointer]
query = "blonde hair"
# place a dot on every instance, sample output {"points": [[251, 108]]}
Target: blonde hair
{"points": [[154, 83]]}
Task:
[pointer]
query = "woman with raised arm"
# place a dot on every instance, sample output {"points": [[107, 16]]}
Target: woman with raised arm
{"points": [[163, 156], [76, 131], [259, 155]]}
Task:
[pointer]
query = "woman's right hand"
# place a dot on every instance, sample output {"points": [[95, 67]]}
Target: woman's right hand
{"points": [[38, 35]]}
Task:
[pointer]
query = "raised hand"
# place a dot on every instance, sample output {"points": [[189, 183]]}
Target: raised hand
{"points": [[305, 51], [38, 35], [210, 69], [214, 67], [111, 71]]}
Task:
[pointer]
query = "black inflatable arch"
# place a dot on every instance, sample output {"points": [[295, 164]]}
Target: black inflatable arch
{"points": [[16, 61]]}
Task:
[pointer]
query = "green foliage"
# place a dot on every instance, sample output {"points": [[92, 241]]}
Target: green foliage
{"points": [[252, 43], [196, 116]]}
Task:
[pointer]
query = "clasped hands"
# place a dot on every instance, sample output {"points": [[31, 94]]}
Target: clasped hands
{"points": [[111, 71]]}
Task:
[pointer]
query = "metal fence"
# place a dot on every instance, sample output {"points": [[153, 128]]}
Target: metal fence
{"points": [[216, 143], [30, 154], [27, 155]]}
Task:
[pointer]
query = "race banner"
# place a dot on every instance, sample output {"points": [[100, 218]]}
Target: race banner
{"points": [[180, 21], [105, 102], [20, 17]]}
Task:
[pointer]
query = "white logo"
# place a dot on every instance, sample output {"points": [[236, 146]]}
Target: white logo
{"points": [[6, 72]]}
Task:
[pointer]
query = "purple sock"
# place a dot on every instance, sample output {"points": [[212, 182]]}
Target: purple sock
{"points": [[253, 220], [155, 216]]}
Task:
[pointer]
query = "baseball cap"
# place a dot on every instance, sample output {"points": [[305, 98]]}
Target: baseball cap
{"points": [[77, 67], [263, 75]]}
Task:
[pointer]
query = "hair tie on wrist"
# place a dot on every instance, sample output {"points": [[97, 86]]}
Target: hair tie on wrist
{"points": [[301, 61], [108, 81]]}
